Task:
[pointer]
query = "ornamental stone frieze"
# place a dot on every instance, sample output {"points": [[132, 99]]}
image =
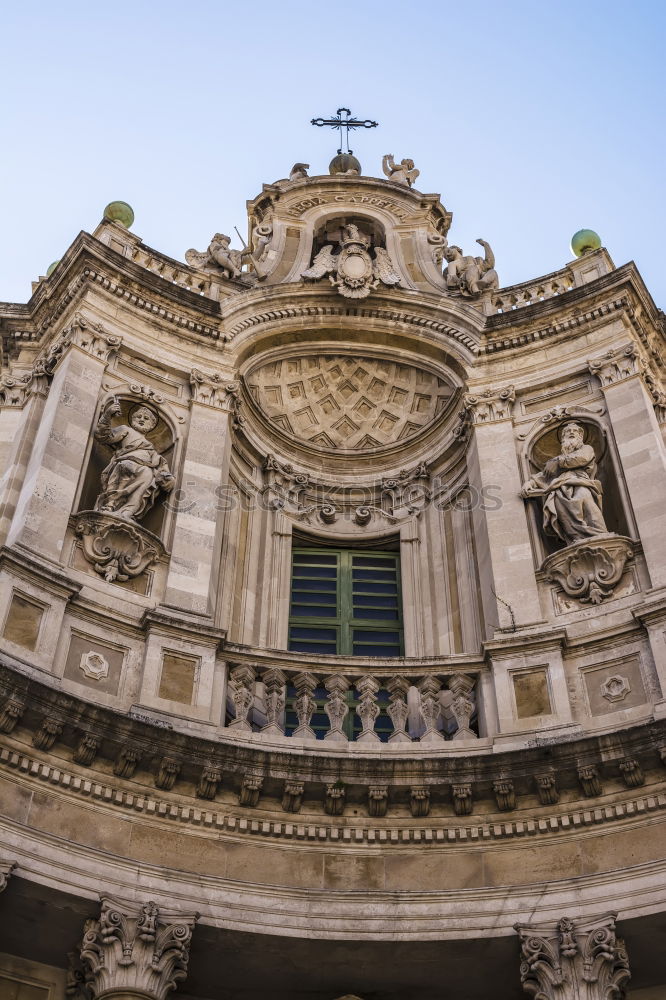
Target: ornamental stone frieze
{"points": [[136, 949], [573, 959]]}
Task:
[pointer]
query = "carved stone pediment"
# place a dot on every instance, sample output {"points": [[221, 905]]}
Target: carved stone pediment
{"points": [[117, 548], [590, 570], [348, 402]]}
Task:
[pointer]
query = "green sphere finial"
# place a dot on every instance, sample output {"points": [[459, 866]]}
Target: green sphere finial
{"points": [[120, 212], [585, 241], [51, 268]]}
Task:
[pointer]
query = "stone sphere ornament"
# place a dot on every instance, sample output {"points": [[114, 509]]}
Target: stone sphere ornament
{"points": [[120, 212], [585, 241], [51, 268], [343, 163]]}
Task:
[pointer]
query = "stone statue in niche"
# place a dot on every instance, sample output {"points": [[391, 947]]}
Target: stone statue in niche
{"points": [[218, 257], [400, 173], [469, 276], [137, 472], [592, 562], [571, 493]]}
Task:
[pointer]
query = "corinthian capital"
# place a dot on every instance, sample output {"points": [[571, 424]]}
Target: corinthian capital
{"points": [[567, 959], [489, 405], [136, 948], [214, 390], [618, 364]]}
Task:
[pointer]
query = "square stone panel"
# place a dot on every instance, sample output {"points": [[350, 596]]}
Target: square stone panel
{"points": [[79, 663], [531, 692], [599, 680], [23, 622], [177, 678]]}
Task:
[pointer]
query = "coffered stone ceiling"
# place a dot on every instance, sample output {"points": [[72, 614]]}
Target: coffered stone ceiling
{"points": [[348, 402]]}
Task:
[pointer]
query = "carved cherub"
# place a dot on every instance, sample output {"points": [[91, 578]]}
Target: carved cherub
{"points": [[469, 276], [218, 256], [402, 173]]}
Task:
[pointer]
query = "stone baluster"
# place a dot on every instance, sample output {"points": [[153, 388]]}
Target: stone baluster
{"points": [[76, 361], [573, 959], [274, 681], [336, 707], [506, 565], [367, 708], [398, 709], [136, 952], [462, 705], [241, 689], [429, 689], [197, 536], [304, 704]]}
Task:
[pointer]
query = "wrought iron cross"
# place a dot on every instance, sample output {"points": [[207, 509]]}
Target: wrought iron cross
{"points": [[348, 123]]}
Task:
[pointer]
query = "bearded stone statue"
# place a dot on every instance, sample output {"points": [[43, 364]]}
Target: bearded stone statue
{"points": [[137, 472], [570, 490]]}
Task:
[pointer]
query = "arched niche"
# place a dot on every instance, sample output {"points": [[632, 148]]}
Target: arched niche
{"points": [[163, 437], [544, 443], [330, 230]]}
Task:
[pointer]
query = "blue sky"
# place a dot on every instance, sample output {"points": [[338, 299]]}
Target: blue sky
{"points": [[532, 120]]}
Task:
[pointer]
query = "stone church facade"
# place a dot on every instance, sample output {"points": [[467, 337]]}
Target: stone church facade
{"points": [[332, 614]]}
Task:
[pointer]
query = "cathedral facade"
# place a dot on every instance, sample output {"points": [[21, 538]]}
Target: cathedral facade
{"points": [[332, 614]]}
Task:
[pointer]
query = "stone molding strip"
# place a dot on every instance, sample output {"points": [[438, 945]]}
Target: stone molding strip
{"points": [[317, 831]]}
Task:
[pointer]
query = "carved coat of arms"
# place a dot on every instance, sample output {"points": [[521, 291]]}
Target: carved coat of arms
{"points": [[353, 271]]}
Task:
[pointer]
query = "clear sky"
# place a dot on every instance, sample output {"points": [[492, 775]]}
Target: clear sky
{"points": [[532, 119]]}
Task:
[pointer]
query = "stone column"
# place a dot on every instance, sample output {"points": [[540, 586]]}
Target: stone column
{"points": [[509, 591], [631, 394], [193, 570], [573, 959], [21, 407], [59, 437], [135, 951]]}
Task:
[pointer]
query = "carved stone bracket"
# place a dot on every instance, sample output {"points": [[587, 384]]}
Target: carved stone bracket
{"points": [[547, 789], [505, 794], [250, 790], [12, 710], [567, 959], [419, 801], [377, 800], [490, 405], [209, 781], [334, 801], [126, 762], [590, 570], [47, 734], [87, 748], [462, 798], [292, 796], [137, 950], [632, 772], [118, 549], [167, 772], [589, 780]]}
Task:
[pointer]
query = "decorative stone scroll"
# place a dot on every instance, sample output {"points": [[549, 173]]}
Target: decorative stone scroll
{"points": [[135, 949], [569, 960], [117, 549], [590, 570]]}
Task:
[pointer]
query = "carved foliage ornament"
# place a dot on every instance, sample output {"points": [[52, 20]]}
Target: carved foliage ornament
{"points": [[353, 271], [586, 956], [134, 948]]}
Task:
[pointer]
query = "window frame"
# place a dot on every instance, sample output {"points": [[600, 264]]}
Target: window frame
{"points": [[344, 624]]}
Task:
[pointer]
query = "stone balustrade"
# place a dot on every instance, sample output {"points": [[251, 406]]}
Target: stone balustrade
{"points": [[174, 271], [530, 292], [353, 706]]}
